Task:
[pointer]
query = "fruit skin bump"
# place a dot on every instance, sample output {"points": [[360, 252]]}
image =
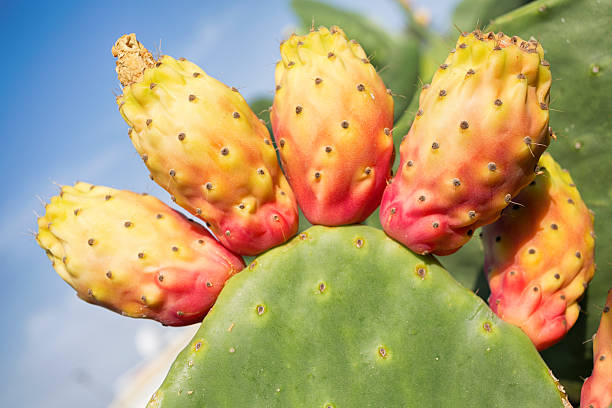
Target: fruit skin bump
{"points": [[597, 389], [479, 131], [539, 256], [204, 145], [133, 254], [332, 119]]}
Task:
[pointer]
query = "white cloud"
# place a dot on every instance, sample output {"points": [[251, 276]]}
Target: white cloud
{"points": [[73, 353]]}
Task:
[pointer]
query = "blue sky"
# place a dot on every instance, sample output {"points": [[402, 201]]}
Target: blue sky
{"points": [[59, 123]]}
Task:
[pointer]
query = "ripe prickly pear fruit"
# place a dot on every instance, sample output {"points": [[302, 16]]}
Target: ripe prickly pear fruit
{"points": [[332, 119], [597, 389], [480, 128], [539, 256], [133, 254], [204, 145]]}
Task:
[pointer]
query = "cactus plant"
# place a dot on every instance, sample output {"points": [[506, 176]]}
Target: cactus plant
{"points": [[346, 317], [584, 144]]}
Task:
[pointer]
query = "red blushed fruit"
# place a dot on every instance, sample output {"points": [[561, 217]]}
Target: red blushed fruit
{"points": [[204, 145], [332, 119], [276, 225], [134, 255], [476, 138], [539, 256]]}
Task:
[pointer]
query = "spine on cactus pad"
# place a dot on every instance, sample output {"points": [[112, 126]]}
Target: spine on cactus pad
{"points": [[332, 119], [480, 128], [133, 254], [204, 145], [597, 389], [539, 256]]}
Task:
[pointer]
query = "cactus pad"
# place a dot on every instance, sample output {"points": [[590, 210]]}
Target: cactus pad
{"points": [[346, 317]]}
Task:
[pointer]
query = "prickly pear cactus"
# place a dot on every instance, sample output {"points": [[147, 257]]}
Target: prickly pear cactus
{"points": [[597, 389], [133, 254], [204, 145], [481, 126], [575, 35], [347, 317], [329, 104], [539, 256]]}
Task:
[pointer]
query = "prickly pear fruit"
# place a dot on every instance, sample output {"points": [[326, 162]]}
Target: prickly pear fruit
{"points": [[332, 119], [204, 145], [133, 254], [539, 256], [597, 389], [480, 128]]}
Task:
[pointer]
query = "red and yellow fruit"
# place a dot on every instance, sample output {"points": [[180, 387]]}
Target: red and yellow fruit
{"points": [[539, 256], [480, 128], [204, 145], [133, 254], [332, 119]]}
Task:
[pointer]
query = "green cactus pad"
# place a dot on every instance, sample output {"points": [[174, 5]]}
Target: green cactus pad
{"points": [[346, 317]]}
